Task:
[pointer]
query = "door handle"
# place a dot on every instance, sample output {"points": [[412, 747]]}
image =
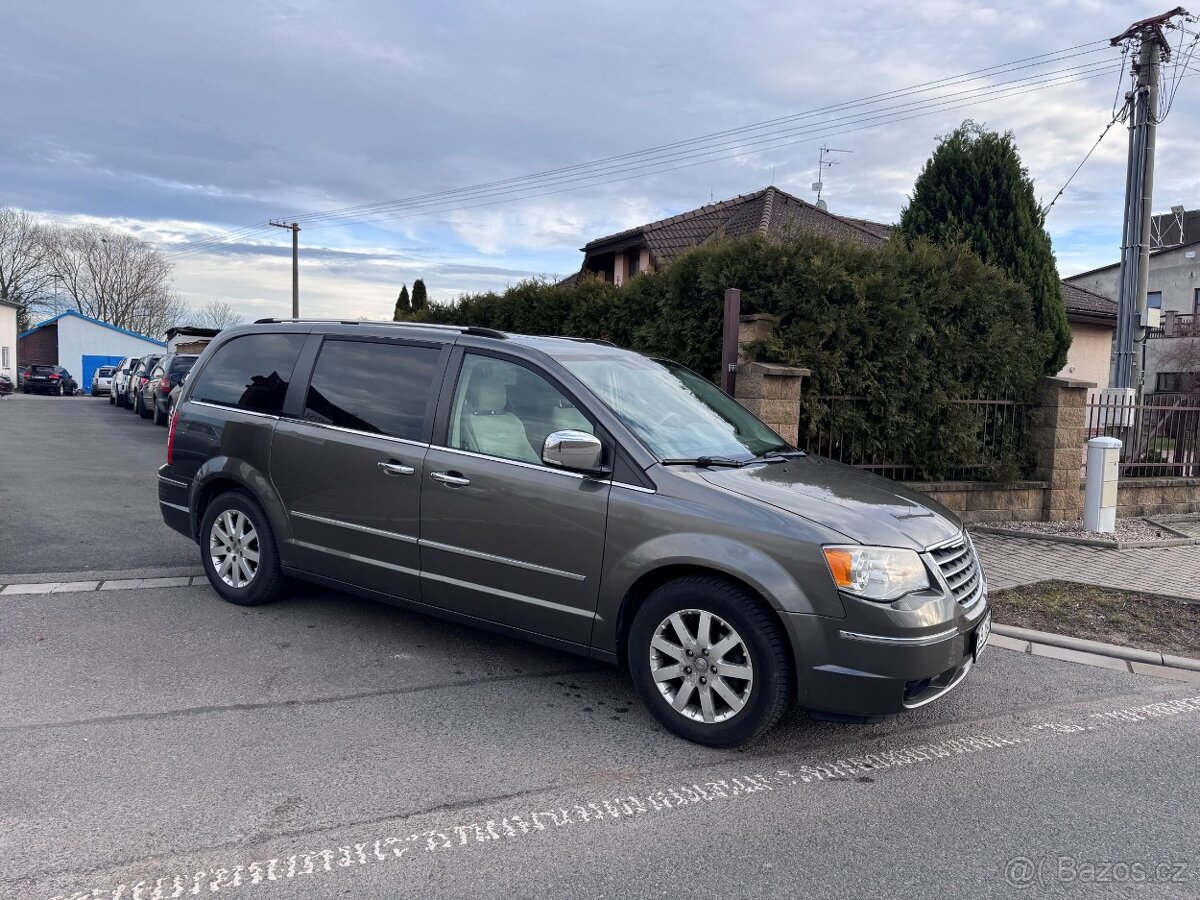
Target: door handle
{"points": [[395, 468], [448, 478]]}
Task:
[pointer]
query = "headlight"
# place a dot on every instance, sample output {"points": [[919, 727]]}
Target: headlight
{"points": [[876, 573]]}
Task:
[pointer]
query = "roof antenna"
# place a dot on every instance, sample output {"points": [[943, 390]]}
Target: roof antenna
{"points": [[818, 185]]}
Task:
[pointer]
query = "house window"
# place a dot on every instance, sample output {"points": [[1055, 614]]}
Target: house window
{"points": [[1154, 299], [635, 260], [1196, 302], [3, 357], [1168, 383]]}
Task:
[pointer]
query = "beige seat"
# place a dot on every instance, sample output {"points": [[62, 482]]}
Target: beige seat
{"points": [[488, 427]]}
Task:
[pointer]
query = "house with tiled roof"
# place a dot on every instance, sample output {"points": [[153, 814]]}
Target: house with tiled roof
{"points": [[772, 212], [647, 248]]}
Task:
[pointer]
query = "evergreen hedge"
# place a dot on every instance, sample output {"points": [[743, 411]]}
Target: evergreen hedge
{"points": [[909, 328]]}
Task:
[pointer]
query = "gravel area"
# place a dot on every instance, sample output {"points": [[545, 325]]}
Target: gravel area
{"points": [[1126, 530]]}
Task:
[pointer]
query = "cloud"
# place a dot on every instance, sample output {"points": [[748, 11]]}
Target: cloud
{"points": [[179, 123]]}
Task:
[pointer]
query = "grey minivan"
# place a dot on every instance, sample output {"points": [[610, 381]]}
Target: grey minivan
{"points": [[579, 495]]}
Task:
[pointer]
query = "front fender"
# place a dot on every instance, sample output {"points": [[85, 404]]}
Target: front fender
{"points": [[727, 556]]}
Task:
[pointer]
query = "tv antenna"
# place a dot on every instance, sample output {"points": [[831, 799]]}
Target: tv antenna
{"points": [[822, 165]]}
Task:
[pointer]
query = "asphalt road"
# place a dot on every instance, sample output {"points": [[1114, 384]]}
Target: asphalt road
{"points": [[77, 488], [157, 742]]}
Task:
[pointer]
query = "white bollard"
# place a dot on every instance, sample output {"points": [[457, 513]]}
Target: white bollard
{"points": [[1100, 495]]}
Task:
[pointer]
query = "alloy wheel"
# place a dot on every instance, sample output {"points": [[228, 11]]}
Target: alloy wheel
{"points": [[233, 548], [701, 666]]}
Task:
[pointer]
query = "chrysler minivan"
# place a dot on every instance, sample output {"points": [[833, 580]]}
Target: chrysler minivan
{"points": [[578, 495]]}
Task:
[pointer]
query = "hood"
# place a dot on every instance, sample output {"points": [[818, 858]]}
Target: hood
{"points": [[864, 507]]}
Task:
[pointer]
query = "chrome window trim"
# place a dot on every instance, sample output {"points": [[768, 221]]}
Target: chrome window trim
{"points": [[355, 431], [394, 535], [921, 641], [236, 409], [182, 484], [355, 557], [508, 595], [634, 487], [516, 462], [505, 560], [174, 506]]}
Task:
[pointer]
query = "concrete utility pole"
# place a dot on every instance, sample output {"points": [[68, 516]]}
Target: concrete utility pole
{"points": [[295, 230], [1125, 373]]}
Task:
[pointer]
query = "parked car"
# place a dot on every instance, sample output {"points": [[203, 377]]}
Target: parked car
{"points": [[578, 495], [166, 375], [120, 381], [21, 370], [49, 380], [102, 380], [6, 385], [138, 379]]}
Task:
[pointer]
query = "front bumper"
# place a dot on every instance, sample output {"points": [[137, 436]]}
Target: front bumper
{"points": [[881, 660]]}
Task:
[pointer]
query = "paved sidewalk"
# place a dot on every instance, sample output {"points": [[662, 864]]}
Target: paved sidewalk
{"points": [[1009, 561]]}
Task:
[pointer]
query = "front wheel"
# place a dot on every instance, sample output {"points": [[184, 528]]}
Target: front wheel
{"points": [[709, 661], [238, 551]]}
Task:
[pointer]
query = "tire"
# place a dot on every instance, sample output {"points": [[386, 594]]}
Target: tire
{"points": [[160, 417], [140, 403], [266, 582], [760, 651], [61, 392], [95, 393], [112, 398]]}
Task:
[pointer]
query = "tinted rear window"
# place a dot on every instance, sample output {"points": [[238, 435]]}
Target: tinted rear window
{"points": [[250, 372], [106, 371], [41, 370], [183, 364], [377, 387]]}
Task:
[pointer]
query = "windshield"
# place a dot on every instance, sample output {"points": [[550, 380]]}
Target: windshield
{"points": [[678, 414]]}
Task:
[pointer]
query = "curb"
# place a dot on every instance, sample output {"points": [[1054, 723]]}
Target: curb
{"points": [[1097, 648], [1182, 541]]}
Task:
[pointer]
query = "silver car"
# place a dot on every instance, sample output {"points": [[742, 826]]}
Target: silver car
{"points": [[102, 380]]}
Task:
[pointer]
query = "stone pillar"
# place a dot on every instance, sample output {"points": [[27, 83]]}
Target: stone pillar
{"points": [[772, 393], [754, 327], [1057, 437]]}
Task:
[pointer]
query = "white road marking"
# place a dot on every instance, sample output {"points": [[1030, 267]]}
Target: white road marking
{"points": [[523, 823]]}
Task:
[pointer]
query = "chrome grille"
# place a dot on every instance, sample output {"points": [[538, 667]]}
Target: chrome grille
{"points": [[960, 568]]}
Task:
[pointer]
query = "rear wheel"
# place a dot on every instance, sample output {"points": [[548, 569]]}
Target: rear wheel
{"points": [[160, 418], [237, 549], [112, 397], [141, 406], [709, 661]]}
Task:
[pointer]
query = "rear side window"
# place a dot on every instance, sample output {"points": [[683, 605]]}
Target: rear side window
{"points": [[250, 372], [373, 386], [182, 364]]}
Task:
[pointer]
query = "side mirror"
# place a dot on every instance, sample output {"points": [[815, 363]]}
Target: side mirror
{"points": [[575, 450]]}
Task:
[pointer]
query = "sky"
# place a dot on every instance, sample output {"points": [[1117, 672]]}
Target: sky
{"points": [[184, 122]]}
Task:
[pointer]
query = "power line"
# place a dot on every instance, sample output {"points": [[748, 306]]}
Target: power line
{"points": [[1117, 117]]}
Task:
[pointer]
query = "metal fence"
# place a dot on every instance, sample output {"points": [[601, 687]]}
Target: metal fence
{"points": [[1159, 437], [988, 440]]}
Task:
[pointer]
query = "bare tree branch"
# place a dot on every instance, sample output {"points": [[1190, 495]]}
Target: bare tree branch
{"points": [[217, 314]]}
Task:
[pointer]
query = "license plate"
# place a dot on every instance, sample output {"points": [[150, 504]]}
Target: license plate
{"points": [[981, 636]]}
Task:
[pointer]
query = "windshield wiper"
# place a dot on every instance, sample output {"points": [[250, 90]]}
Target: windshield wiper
{"points": [[705, 462], [781, 454]]}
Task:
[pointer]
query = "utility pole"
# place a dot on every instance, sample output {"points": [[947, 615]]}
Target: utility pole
{"points": [[1141, 103], [295, 230]]}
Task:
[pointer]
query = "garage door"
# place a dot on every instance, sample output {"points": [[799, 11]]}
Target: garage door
{"points": [[90, 365]]}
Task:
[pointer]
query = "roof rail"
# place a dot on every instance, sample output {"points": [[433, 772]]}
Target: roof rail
{"points": [[461, 329], [583, 340]]}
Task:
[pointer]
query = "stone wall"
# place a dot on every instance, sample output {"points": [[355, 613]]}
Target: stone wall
{"points": [[985, 503]]}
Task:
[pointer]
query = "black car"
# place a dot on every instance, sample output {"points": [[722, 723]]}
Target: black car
{"points": [[166, 375], [49, 380], [138, 379]]}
